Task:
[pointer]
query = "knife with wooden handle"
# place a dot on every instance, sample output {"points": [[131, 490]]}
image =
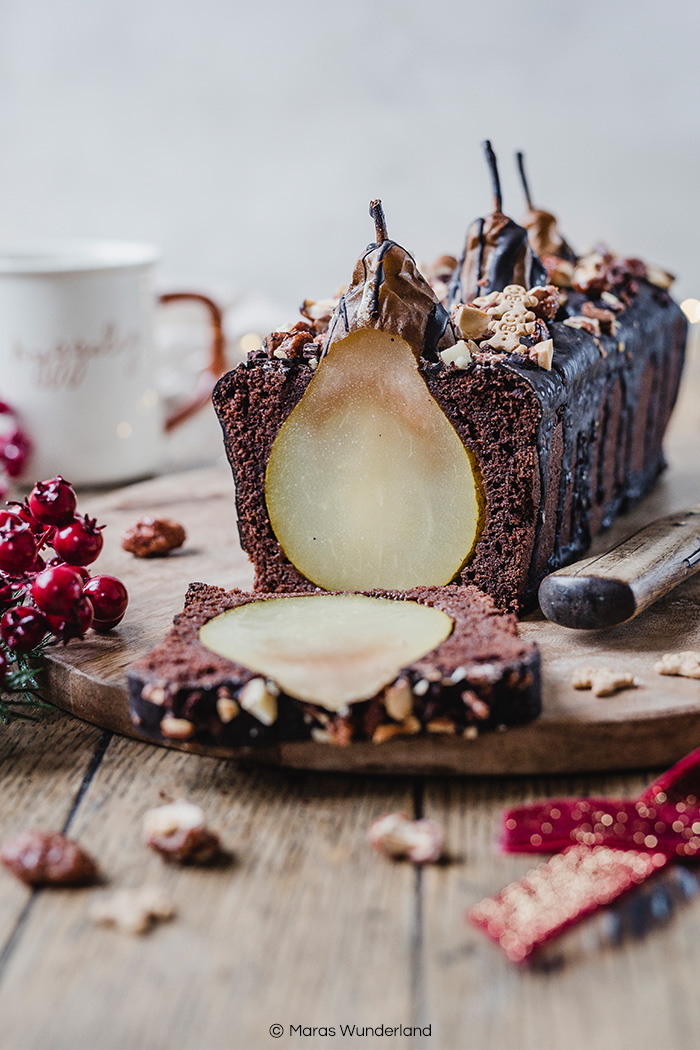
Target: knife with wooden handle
{"points": [[612, 588]]}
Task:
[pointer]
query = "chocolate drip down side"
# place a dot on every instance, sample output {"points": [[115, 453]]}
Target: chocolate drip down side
{"points": [[496, 253]]}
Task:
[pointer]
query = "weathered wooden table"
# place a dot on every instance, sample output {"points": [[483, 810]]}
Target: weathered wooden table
{"points": [[306, 926]]}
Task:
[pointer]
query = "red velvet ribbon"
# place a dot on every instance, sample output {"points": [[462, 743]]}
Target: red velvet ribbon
{"points": [[604, 847]]}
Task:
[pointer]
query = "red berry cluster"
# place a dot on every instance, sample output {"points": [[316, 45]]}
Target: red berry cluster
{"points": [[14, 448], [54, 595]]}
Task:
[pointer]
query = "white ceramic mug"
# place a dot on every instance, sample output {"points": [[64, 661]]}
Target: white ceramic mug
{"points": [[77, 359]]}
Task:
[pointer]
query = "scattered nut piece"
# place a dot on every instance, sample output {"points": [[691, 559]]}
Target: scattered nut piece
{"points": [[471, 322], [559, 271], [387, 731], [602, 680], [605, 318], [179, 833], [588, 324], [396, 835], [227, 709], [398, 700], [685, 664], [442, 725], [548, 301], [43, 858], [542, 354], [133, 911], [656, 276], [177, 728], [591, 273], [154, 694], [153, 537], [612, 301], [259, 701], [319, 312], [476, 705]]}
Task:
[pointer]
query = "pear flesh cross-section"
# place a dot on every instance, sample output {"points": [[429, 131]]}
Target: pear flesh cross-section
{"points": [[368, 485], [327, 649]]}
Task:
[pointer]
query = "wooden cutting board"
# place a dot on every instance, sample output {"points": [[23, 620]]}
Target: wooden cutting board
{"points": [[651, 725]]}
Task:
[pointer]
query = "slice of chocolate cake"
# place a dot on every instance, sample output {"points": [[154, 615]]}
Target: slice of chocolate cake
{"points": [[559, 397], [253, 670]]}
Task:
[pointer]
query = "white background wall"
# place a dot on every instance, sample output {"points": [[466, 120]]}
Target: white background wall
{"points": [[246, 138]]}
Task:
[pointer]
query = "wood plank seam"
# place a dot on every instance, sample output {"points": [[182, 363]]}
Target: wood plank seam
{"points": [[418, 991], [93, 765]]}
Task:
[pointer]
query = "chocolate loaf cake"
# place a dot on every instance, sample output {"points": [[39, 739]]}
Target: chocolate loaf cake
{"points": [[559, 394], [481, 675]]}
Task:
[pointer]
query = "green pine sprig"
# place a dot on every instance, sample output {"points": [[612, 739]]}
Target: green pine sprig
{"points": [[20, 695]]}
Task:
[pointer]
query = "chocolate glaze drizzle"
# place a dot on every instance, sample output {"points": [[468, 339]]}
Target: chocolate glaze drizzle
{"points": [[437, 319], [578, 394], [498, 246]]}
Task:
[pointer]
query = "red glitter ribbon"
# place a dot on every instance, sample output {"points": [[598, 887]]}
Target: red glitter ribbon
{"points": [[608, 846]]}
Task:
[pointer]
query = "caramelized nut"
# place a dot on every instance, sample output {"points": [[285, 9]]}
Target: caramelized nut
{"points": [[398, 700], [258, 700], [396, 835], [42, 858], [153, 537], [177, 728], [178, 832]]}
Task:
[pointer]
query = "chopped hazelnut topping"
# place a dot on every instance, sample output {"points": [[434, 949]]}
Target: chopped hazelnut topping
{"points": [[442, 725], [398, 700], [458, 355], [226, 709], [387, 731], [258, 700], [542, 354], [319, 312], [548, 301], [660, 278], [471, 322], [177, 728], [588, 324], [612, 301], [559, 271], [154, 694]]}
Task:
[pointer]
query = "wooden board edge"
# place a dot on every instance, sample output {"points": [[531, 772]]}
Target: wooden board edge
{"points": [[542, 747]]}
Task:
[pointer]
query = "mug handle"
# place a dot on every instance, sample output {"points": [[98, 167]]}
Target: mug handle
{"points": [[216, 365]]}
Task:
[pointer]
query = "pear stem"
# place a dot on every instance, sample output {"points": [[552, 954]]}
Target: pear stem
{"points": [[520, 157], [493, 168], [377, 213]]}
